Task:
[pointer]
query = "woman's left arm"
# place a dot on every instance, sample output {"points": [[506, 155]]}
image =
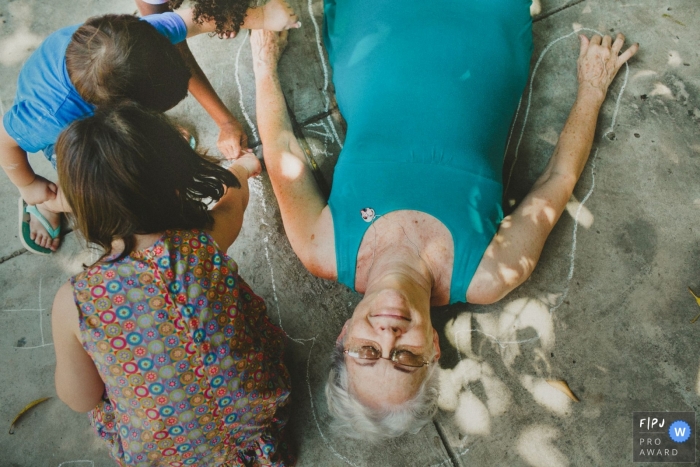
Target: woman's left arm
{"points": [[78, 383], [514, 251]]}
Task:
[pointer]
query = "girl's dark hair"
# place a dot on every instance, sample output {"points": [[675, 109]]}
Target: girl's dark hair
{"points": [[112, 58], [127, 171], [227, 14]]}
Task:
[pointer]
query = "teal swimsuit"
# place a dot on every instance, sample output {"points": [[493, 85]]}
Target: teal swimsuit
{"points": [[428, 90]]}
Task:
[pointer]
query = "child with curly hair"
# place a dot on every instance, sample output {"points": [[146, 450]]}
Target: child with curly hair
{"points": [[161, 340], [226, 18]]}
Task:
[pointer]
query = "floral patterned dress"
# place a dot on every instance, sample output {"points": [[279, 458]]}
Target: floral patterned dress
{"points": [[192, 365]]}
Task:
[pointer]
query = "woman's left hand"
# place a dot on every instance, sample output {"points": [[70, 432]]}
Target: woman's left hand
{"points": [[250, 162], [600, 60]]}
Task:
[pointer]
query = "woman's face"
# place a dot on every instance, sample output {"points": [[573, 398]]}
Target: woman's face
{"points": [[388, 320]]}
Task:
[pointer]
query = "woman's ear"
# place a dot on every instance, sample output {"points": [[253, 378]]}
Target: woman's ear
{"points": [[341, 336], [436, 344]]}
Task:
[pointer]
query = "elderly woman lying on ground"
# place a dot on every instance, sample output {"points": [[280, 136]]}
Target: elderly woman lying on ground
{"points": [[414, 218]]}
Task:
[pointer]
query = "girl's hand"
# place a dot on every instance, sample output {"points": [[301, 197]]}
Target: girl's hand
{"points": [[232, 140], [599, 62], [267, 48], [279, 16]]}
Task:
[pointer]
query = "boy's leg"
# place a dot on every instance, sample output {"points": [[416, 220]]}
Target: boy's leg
{"points": [[51, 210], [146, 8]]}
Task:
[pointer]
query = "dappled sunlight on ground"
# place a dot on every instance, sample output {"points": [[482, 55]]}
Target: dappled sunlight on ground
{"points": [[17, 46], [585, 216], [536, 446], [661, 89], [521, 321], [76, 254], [547, 396], [479, 389], [455, 383]]}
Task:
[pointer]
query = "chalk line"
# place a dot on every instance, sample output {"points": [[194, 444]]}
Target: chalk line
{"points": [[324, 66], [24, 309], [40, 310], [240, 88], [572, 253], [335, 133], [322, 57], [501, 344], [617, 101], [76, 462], [449, 461], [529, 98], [259, 189], [512, 127], [313, 412], [41, 314]]}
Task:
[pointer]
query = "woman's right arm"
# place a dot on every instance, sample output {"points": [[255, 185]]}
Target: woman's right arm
{"points": [[515, 250], [305, 214]]}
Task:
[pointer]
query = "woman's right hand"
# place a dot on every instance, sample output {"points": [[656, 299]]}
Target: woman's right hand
{"points": [[38, 191], [599, 62]]}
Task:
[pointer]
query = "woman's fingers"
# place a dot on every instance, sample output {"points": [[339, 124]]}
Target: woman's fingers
{"points": [[584, 44], [596, 39], [629, 53], [607, 40], [617, 45], [293, 23]]}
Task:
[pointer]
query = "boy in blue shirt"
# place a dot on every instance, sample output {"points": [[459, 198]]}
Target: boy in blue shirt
{"points": [[108, 59]]}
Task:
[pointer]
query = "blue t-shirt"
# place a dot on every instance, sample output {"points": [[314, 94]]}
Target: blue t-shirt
{"points": [[46, 101]]}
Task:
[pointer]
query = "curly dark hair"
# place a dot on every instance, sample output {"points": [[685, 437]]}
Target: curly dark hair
{"points": [[228, 14]]}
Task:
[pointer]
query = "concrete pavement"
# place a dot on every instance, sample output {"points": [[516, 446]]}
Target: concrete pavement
{"points": [[607, 308]]}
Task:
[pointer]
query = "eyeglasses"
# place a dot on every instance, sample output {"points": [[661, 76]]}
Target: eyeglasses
{"points": [[398, 356]]}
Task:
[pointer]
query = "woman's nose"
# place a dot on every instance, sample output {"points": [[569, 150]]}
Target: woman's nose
{"points": [[386, 324], [394, 329]]}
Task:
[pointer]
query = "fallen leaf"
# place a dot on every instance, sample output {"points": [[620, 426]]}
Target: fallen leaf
{"points": [[561, 385], [24, 410], [697, 299]]}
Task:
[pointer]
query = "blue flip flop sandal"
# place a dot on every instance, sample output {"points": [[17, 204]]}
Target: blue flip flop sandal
{"points": [[24, 236]]}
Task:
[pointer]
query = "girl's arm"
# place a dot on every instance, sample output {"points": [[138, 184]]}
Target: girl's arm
{"points": [[513, 253], [232, 139], [305, 214], [78, 383], [228, 211]]}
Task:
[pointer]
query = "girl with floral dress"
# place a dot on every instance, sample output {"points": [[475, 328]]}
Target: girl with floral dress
{"points": [[161, 341]]}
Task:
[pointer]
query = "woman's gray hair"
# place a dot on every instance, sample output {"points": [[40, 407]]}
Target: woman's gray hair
{"points": [[354, 420]]}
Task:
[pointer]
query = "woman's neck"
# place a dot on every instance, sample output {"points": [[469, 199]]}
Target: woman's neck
{"points": [[397, 264]]}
